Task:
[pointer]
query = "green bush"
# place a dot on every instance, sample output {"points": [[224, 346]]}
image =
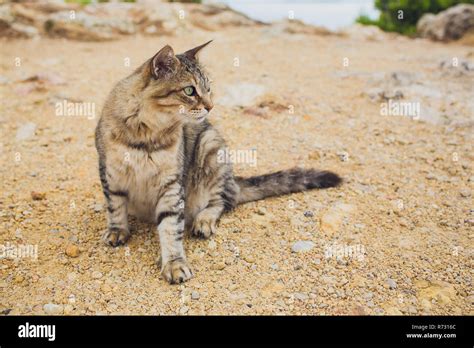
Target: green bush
{"points": [[402, 15]]}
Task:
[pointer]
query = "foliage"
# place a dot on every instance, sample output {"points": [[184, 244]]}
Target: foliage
{"points": [[402, 15]]}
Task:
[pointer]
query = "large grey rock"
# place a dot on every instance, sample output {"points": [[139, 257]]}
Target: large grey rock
{"points": [[447, 25]]}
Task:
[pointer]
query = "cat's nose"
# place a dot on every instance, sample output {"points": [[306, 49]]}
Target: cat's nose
{"points": [[208, 105]]}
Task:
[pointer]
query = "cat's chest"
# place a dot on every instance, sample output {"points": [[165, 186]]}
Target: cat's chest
{"points": [[139, 166]]}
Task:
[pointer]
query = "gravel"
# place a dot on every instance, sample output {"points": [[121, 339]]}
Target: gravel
{"points": [[405, 244]]}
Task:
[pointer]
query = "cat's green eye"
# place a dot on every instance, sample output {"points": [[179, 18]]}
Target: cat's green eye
{"points": [[190, 91]]}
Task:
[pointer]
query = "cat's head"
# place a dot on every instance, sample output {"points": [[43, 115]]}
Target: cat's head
{"points": [[178, 83]]}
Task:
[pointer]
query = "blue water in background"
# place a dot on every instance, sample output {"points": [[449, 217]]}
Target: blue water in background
{"points": [[330, 14]]}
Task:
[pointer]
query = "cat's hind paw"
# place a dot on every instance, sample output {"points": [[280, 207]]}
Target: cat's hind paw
{"points": [[204, 224]]}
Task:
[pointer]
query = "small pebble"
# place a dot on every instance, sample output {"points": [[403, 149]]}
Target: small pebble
{"points": [[72, 250], [302, 246], [195, 295], [308, 213], [53, 309], [300, 296], [218, 266], [212, 244], [249, 258], [391, 283], [97, 275], [38, 196]]}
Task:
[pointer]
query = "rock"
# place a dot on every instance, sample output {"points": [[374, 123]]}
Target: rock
{"points": [[249, 258], [183, 310], [463, 68], [300, 296], [450, 24], [20, 30], [213, 17], [87, 27], [195, 295], [97, 275], [391, 284], [38, 196], [393, 311], [26, 131], [219, 266], [212, 244], [308, 213], [68, 309], [72, 250], [241, 94], [441, 291], [330, 222], [53, 309], [272, 288], [358, 310], [465, 193], [295, 26], [229, 260], [98, 207], [10, 25], [45, 78], [343, 156], [364, 32], [302, 246], [426, 305], [332, 219]]}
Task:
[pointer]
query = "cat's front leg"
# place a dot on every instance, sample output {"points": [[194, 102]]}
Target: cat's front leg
{"points": [[170, 221], [117, 227], [117, 217]]}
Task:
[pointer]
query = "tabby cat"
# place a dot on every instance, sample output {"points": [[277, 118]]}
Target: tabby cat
{"points": [[158, 159]]}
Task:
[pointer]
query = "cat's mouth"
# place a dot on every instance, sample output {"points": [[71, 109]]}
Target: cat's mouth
{"points": [[199, 114]]}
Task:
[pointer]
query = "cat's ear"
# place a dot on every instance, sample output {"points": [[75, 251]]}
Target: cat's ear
{"points": [[193, 51], [164, 63]]}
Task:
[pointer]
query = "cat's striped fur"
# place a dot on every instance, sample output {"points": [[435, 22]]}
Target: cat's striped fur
{"points": [[158, 159]]}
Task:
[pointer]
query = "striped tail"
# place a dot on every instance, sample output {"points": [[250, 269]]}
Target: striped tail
{"points": [[284, 182]]}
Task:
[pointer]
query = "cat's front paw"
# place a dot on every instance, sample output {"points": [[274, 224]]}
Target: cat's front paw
{"points": [[116, 237], [177, 271], [204, 224]]}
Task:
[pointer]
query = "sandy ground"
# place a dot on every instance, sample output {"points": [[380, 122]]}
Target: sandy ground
{"points": [[400, 228]]}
